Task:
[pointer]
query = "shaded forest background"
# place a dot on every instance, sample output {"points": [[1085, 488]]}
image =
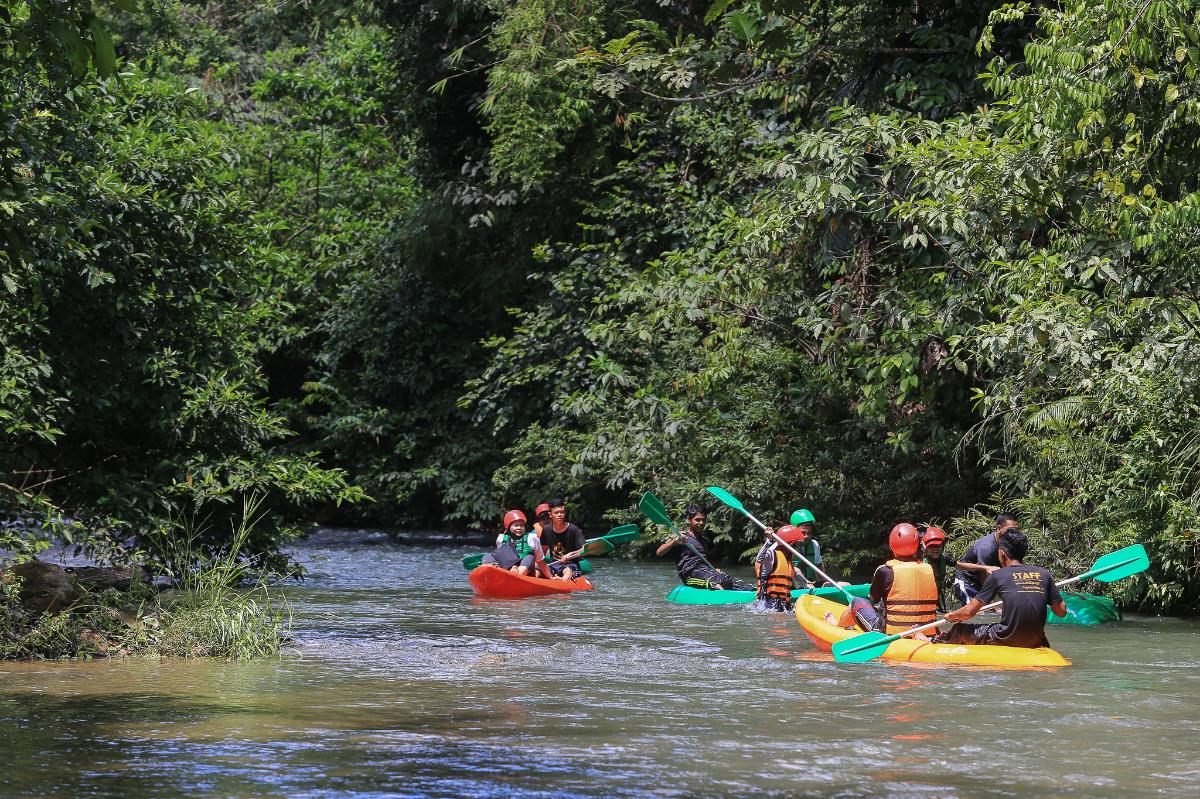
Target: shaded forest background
{"points": [[408, 263]]}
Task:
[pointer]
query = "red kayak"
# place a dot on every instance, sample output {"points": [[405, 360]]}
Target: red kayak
{"points": [[497, 583]]}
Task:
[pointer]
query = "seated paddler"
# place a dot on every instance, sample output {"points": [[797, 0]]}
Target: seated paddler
{"points": [[517, 550], [904, 591]]}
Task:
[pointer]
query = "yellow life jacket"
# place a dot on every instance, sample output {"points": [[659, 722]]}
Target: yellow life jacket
{"points": [[781, 578], [913, 598]]}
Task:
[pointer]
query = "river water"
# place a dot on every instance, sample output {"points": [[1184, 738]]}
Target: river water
{"points": [[401, 684]]}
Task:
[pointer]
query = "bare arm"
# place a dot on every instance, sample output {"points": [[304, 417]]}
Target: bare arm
{"points": [[965, 612], [1059, 608], [668, 545], [975, 567]]}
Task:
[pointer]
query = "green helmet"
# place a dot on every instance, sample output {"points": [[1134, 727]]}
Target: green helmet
{"points": [[802, 516]]}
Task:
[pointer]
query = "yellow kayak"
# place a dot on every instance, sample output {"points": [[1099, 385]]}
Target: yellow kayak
{"points": [[811, 610]]}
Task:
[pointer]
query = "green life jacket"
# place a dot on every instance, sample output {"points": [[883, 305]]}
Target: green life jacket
{"points": [[521, 544]]}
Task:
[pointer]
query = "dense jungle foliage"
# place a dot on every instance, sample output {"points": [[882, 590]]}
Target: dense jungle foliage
{"points": [[410, 262]]}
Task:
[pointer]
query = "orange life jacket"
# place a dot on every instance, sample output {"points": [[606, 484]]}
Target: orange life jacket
{"points": [[913, 598], [781, 578]]}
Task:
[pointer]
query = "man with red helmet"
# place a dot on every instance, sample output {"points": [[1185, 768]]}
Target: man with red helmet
{"points": [[775, 570], [516, 549], [933, 541], [903, 591]]}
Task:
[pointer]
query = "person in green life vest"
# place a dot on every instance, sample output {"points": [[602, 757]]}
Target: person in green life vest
{"points": [[933, 541], [517, 550], [807, 546]]}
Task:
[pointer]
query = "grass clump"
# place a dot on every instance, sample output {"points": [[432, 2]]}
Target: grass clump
{"points": [[219, 607]]}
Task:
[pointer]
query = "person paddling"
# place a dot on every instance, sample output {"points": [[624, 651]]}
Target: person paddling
{"points": [[933, 541], [903, 591], [690, 564], [1025, 590], [809, 547], [776, 573], [980, 559], [566, 541], [517, 550]]}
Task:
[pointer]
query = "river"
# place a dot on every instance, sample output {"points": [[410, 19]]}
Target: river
{"points": [[400, 684]]}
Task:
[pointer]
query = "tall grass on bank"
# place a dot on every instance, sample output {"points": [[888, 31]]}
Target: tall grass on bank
{"points": [[219, 607]]}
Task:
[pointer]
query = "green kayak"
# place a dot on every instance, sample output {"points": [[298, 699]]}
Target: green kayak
{"points": [[687, 595], [1085, 609]]}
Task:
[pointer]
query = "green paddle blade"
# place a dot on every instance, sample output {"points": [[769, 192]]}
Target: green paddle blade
{"points": [[471, 561], [654, 510], [727, 498], [862, 648], [622, 535], [1120, 564], [597, 546]]}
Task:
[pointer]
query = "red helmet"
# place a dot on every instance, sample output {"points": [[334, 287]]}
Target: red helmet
{"points": [[904, 540], [540, 509], [513, 516], [791, 534], [933, 535]]}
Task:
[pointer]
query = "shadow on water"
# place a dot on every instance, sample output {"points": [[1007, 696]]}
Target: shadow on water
{"points": [[402, 684]]}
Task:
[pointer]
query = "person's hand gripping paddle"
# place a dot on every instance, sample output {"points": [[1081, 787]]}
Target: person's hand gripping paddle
{"points": [[732, 501], [1112, 567], [656, 512]]}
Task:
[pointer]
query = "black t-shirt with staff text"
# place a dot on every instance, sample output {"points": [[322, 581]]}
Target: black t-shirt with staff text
{"points": [[1026, 592]]}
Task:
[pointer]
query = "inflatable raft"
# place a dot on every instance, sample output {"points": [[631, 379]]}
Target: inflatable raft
{"points": [[687, 595], [497, 583], [810, 612]]}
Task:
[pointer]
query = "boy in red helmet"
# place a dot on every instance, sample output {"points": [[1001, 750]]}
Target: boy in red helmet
{"points": [[517, 550], [903, 591], [775, 570]]}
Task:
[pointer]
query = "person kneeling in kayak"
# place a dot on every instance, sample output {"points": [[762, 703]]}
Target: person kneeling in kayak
{"points": [[904, 593], [691, 565], [1025, 590], [776, 573], [517, 550]]}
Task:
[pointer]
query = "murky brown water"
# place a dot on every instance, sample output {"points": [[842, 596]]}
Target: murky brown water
{"points": [[403, 685]]}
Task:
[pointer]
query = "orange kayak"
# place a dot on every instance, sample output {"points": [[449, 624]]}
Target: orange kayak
{"points": [[810, 612], [497, 583]]}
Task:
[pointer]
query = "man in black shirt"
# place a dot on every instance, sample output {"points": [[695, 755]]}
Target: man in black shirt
{"points": [[1025, 590], [980, 559], [566, 541], [691, 565]]}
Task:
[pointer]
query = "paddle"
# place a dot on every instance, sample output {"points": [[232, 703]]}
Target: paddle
{"points": [[1112, 567], [657, 512], [618, 535], [731, 501]]}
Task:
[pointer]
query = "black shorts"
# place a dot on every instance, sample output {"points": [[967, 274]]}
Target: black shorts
{"points": [[966, 633], [704, 577]]}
